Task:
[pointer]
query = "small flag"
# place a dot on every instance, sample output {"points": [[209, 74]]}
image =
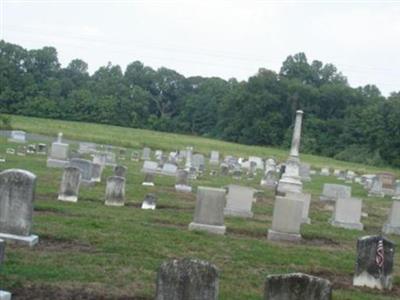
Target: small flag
{"points": [[380, 254]]}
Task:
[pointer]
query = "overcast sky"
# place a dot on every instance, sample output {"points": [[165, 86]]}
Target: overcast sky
{"points": [[215, 38]]}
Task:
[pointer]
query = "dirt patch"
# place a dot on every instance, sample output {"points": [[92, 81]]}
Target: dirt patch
{"points": [[58, 292], [49, 243]]}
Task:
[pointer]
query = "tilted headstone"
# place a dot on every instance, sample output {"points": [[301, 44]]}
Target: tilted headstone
{"points": [[297, 286], [332, 192], [17, 193], [347, 213], [17, 136], [69, 187], [148, 179], [182, 181], [97, 170], [209, 212], [146, 154], [239, 201], [374, 265], [169, 169], [306, 198], [287, 219], [187, 279], [86, 170], [58, 154], [120, 171], [376, 188], [325, 171], [149, 202], [115, 191], [214, 158], [392, 226]]}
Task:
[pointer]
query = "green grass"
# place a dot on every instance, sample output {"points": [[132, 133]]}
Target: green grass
{"points": [[115, 252]]}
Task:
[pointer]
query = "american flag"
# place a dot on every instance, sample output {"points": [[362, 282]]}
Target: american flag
{"points": [[380, 254]]}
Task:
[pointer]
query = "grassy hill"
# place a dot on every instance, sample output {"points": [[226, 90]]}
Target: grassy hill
{"points": [[90, 251]]}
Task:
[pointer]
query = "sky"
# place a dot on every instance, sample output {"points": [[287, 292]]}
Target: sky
{"points": [[224, 38]]}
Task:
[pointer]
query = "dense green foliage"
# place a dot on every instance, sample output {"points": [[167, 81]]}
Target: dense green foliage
{"points": [[357, 124]]}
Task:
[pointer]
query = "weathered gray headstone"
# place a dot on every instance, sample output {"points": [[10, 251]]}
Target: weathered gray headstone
{"points": [[305, 172], [388, 183], [350, 176], [148, 179], [97, 170], [224, 169], [182, 182], [209, 212], [149, 201], [135, 155], [239, 201], [69, 187], [41, 149], [17, 193], [86, 170], [376, 188], [146, 153], [374, 265], [115, 191], [270, 180], [120, 171], [297, 286], [392, 226], [198, 162], [325, 171], [100, 158], [332, 192], [347, 213], [58, 154], [287, 219], [85, 147], [21, 150], [258, 161], [150, 167], [306, 198], [169, 169], [17, 136], [214, 158], [187, 279], [31, 149]]}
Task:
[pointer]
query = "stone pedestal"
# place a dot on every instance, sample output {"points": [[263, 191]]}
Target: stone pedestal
{"points": [[287, 219], [209, 212]]}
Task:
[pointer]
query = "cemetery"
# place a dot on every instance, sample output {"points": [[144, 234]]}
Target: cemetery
{"points": [[103, 212]]}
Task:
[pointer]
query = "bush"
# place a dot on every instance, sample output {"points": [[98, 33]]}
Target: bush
{"points": [[5, 122]]}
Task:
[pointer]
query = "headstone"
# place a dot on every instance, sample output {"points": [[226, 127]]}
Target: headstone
{"points": [[69, 187], [58, 154], [182, 182], [148, 179], [31, 149], [332, 192], [158, 154], [122, 154], [111, 159], [376, 188], [17, 136], [17, 192], [187, 279], [198, 162], [350, 176], [388, 183], [149, 202], [100, 158], [325, 171], [214, 158], [392, 226], [347, 213], [192, 173], [21, 150], [115, 191], [305, 172], [85, 147], [336, 172], [287, 219], [270, 165], [306, 198], [169, 169], [224, 169], [258, 161], [270, 180], [120, 171], [146, 154], [86, 170], [374, 265], [150, 167], [189, 154], [237, 172], [297, 286], [239, 201], [209, 212], [41, 149], [135, 155], [97, 170], [252, 170]]}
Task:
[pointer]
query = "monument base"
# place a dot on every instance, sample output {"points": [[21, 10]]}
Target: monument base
{"points": [[183, 188], [30, 240], [365, 279], [283, 236], [56, 163], [390, 229], [5, 295], [148, 206], [356, 226], [238, 213], [68, 198], [209, 228], [289, 184]]}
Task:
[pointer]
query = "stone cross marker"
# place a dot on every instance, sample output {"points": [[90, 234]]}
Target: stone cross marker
{"points": [[17, 192], [297, 286], [115, 191], [120, 171], [374, 266], [187, 279], [209, 212], [149, 201], [69, 187]]}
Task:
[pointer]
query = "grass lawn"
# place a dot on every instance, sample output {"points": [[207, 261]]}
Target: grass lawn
{"points": [[90, 251]]}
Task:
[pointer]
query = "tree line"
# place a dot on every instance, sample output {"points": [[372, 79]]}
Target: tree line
{"points": [[354, 124]]}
